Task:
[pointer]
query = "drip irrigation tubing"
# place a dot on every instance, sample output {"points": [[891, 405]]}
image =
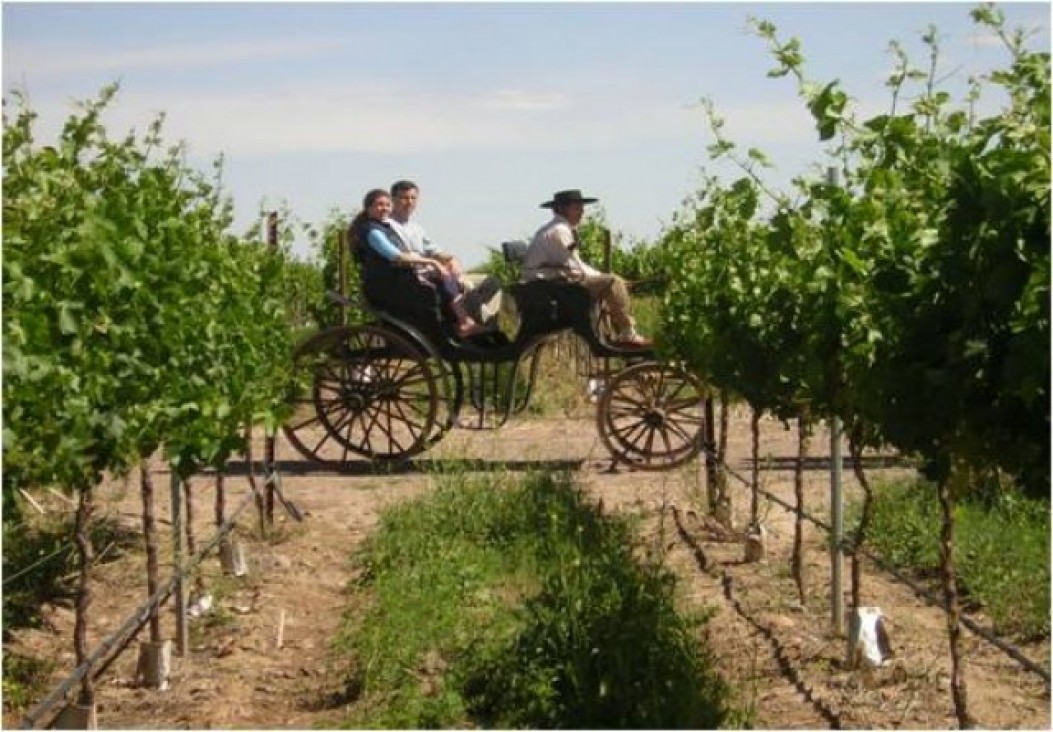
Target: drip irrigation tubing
{"points": [[925, 594], [104, 653], [786, 665]]}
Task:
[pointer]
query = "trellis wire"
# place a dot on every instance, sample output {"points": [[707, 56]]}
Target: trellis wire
{"points": [[918, 590], [119, 639], [34, 565]]}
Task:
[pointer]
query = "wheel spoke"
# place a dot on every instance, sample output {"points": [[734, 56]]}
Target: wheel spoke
{"points": [[624, 433], [649, 416], [681, 405], [313, 418], [367, 429], [406, 419], [675, 427], [650, 440], [665, 439], [623, 398]]}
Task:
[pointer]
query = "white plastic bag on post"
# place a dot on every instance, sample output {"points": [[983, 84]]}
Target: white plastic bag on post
{"points": [[756, 543], [868, 642]]}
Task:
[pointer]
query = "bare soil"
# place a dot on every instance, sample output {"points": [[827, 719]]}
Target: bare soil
{"points": [[261, 657]]}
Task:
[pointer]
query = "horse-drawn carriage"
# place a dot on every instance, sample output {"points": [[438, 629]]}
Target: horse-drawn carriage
{"points": [[393, 386]]}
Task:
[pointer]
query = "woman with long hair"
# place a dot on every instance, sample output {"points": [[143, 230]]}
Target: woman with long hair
{"points": [[385, 259]]}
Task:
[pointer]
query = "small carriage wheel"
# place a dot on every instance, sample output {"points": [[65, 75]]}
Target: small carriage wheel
{"points": [[650, 416], [364, 390]]}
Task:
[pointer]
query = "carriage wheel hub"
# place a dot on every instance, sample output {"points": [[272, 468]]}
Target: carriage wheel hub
{"points": [[356, 400], [654, 418]]}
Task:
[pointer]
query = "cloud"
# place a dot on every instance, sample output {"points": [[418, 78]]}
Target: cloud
{"points": [[385, 118], [52, 61], [524, 100], [984, 39], [763, 124]]}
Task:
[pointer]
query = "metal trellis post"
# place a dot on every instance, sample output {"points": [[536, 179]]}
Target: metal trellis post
{"points": [[837, 597]]}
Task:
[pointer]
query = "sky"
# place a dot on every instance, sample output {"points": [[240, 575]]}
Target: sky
{"points": [[489, 107]]}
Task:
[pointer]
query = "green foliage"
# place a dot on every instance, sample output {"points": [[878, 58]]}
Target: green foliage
{"points": [[641, 264], [25, 679], [131, 318], [518, 606], [304, 295], [334, 247], [912, 298], [496, 265], [302, 282], [1001, 549]]}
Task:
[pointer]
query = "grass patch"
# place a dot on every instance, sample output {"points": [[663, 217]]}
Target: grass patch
{"points": [[1001, 549], [517, 606], [25, 680]]}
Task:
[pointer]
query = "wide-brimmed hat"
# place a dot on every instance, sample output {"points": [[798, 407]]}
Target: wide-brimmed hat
{"points": [[564, 197]]}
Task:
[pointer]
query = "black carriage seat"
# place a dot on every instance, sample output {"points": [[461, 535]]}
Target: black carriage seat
{"points": [[418, 304], [547, 306], [544, 306]]}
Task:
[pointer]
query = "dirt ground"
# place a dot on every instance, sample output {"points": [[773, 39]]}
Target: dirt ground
{"points": [[259, 659]]}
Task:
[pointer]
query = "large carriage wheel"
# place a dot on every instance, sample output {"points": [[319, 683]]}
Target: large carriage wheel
{"points": [[363, 390], [650, 416]]}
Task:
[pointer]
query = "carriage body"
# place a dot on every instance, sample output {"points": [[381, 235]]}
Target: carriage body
{"points": [[394, 386]]}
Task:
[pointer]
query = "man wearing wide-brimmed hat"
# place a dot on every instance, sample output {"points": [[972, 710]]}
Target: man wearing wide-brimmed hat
{"points": [[553, 255]]}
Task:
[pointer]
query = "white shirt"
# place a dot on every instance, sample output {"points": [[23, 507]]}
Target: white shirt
{"points": [[550, 254], [414, 235]]}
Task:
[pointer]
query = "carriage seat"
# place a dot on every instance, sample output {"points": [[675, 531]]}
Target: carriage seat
{"points": [[548, 305], [419, 305]]}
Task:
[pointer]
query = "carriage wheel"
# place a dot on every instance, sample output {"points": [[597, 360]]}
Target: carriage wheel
{"points": [[363, 390], [650, 416]]}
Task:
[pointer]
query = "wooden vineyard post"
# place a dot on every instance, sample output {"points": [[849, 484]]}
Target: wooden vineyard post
{"points": [[188, 521], [268, 448], [755, 534], [82, 714], [709, 439], [269, 476], [341, 258], [724, 510], [155, 655], [755, 472], [182, 634], [855, 453], [958, 478], [231, 555], [797, 556], [251, 470]]}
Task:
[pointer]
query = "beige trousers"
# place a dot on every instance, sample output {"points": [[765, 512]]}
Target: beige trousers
{"points": [[611, 290]]}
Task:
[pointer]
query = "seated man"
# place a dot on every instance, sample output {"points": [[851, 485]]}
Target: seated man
{"points": [[553, 255], [389, 268], [405, 196]]}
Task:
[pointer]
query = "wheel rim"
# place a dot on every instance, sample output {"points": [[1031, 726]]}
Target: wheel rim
{"points": [[650, 416], [368, 392]]}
